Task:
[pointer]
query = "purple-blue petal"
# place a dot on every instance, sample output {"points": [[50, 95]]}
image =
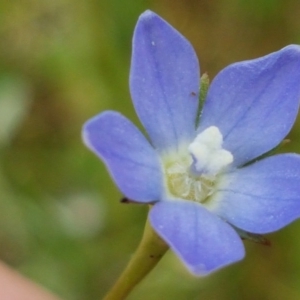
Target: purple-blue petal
{"points": [[255, 103], [262, 197], [131, 160], [202, 240], [164, 82]]}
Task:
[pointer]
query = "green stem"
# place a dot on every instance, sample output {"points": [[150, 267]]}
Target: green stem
{"points": [[148, 254]]}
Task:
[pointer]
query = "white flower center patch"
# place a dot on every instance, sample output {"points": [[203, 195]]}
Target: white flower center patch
{"points": [[194, 175]]}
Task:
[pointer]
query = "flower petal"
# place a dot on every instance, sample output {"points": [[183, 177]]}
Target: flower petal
{"points": [[202, 240], [255, 103], [164, 82], [132, 162], [262, 197]]}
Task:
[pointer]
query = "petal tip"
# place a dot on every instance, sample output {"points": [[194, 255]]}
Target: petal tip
{"points": [[206, 269], [291, 52], [149, 19], [91, 126], [147, 15], [292, 48]]}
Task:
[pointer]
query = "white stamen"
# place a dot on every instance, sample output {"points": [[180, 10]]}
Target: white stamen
{"points": [[194, 175], [207, 152]]}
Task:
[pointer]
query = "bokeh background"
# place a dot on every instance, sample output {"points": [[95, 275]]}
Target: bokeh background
{"points": [[61, 222]]}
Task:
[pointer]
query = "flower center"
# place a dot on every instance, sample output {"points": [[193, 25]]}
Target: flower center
{"points": [[193, 176]]}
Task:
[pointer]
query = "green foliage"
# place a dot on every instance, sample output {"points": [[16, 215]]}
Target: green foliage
{"points": [[204, 86]]}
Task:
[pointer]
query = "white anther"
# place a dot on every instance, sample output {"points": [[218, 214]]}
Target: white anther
{"points": [[208, 155]]}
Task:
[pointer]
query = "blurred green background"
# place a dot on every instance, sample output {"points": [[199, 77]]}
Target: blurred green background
{"points": [[61, 223]]}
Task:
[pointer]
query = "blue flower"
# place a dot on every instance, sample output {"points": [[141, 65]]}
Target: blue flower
{"points": [[204, 180]]}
